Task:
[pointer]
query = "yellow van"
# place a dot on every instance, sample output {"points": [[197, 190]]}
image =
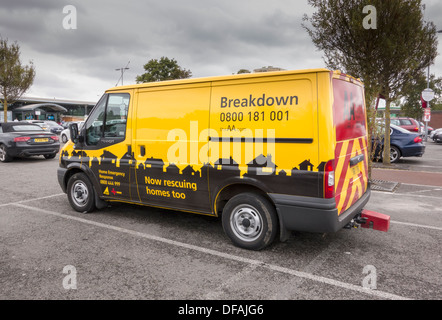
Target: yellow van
{"points": [[268, 152]]}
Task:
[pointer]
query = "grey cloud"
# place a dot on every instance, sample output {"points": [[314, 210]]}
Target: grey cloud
{"points": [[209, 37]]}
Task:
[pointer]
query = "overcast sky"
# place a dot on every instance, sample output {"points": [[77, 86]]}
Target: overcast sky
{"points": [[208, 37]]}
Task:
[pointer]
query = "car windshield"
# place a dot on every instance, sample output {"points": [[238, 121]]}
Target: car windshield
{"points": [[25, 127]]}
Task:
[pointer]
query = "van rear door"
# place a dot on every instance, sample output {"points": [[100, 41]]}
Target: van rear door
{"points": [[351, 153]]}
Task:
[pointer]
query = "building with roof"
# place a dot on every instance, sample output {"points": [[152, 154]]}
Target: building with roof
{"points": [[32, 108]]}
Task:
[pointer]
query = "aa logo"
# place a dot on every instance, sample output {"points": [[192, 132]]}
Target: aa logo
{"points": [[70, 281], [106, 192]]}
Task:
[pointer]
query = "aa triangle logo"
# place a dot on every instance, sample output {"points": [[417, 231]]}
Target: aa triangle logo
{"points": [[106, 192]]}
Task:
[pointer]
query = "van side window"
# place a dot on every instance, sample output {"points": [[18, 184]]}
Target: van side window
{"points": [[108, 119], [116, 114]]}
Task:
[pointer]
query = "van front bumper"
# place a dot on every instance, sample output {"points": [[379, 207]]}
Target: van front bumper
{"points": [[314, 214], [61, 173]]}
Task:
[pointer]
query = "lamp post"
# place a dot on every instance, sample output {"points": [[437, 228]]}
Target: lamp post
{"points": [[122, 72], [431, 96]]}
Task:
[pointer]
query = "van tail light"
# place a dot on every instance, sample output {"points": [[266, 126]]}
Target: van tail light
{"points": [[329, 180], [21, 139], [55, 138], [417, 139], [416, 129]]}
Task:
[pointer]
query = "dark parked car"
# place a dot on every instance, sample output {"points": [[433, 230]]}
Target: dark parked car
{"points": [[403, 143], [434, 132], [24, 139], [54, 127], [48, 125], [437, 136], [40, 123], [429, 129]]}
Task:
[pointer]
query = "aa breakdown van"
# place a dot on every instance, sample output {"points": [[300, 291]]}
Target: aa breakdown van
{"points": [[268, 152]]}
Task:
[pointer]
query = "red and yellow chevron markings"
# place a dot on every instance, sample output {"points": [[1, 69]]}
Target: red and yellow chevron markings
{"points": [[351, 182]]}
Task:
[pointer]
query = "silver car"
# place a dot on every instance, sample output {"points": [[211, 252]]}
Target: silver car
{"points": [[434, 132], [65, 135]]}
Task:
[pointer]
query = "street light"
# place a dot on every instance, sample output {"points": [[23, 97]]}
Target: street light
{"points": [[428, 102], [122, 72]]}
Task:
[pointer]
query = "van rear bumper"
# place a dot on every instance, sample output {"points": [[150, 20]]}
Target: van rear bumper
{"points": [[314, 214]]}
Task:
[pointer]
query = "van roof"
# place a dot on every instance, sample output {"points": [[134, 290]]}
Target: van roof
{"points": [[218, 78]]}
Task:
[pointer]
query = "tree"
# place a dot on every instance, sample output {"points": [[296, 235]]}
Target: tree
{"points": [[385, 43], [15, 79], [164, 69], [241, 71], [412, 105]]}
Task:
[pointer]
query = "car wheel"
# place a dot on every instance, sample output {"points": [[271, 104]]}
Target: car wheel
{"points": [[4, 156], [49, 156], [64, 139], [395, 154], [81, 193], [250, 221]]}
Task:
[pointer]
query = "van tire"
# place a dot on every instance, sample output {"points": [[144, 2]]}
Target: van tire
{"points": [[250, 221], [81, 193]]}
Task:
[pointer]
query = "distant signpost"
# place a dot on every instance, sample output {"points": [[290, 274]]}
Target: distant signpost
{"points": [[427, 95]]}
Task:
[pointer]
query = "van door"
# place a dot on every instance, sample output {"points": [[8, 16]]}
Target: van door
{"points": [[351, 153], [170, 137], [107, 145]]}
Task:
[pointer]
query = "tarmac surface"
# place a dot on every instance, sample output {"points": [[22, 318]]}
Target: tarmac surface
{"points": [[128, 252], [425, 171]]}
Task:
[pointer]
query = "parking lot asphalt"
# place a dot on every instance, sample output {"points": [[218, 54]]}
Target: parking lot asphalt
{"points": [[424, 171], [49, 251]]}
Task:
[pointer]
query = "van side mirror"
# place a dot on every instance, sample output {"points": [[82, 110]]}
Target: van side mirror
{"points": [[73, 132]]}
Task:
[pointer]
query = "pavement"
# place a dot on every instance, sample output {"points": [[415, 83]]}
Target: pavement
{"points": [[407, 176]]}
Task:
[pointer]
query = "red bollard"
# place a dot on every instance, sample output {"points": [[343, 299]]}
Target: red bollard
{"points": [[376, 220]]}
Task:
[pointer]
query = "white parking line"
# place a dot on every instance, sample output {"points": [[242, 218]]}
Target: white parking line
{"points": [[417, 225], [411, 194], [32, 199], [392, 221], [251, 262]]}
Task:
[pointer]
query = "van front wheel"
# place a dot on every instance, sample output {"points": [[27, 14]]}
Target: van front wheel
{"points": [[81, 193], [250, 221]]}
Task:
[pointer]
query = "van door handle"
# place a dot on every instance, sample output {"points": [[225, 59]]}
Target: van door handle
{"points": [[129, 154], [142, 151], [355, 160]]}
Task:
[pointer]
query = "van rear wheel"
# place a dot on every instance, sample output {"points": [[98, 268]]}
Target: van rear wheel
{"points": [[250, 221], [81, 193]]}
